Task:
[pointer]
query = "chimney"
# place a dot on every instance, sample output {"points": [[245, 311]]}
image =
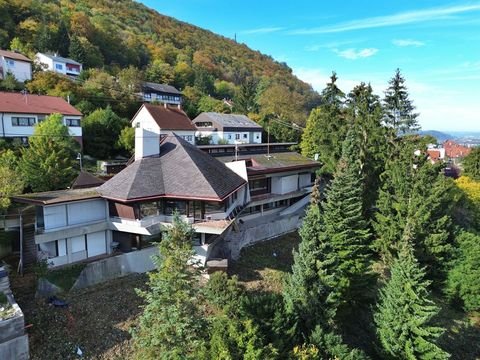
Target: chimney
{"points": [[165, 105], [147, 143]]}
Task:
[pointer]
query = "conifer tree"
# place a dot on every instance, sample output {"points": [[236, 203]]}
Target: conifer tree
{"points": [[171, 325], [399, 109], [326, 128], [344, 226], [365, 111], [404, 311], [415, 189], [307, 292]]}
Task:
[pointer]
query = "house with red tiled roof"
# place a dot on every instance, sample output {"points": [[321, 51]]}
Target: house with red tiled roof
{"points": [[455, 151], [19, 113], [16, 64], [157, 121]]}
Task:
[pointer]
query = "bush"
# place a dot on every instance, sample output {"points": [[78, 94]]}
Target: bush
{"points": [[463, 283]]}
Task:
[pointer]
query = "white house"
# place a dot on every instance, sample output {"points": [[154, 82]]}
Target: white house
{"points": [[59, 64], [152, 120], [19, 113], [228, 128], [15, 63]]}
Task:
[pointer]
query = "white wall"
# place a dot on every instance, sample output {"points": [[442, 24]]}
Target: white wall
{"points": [[63, 69], [22, 70], [86, 211], [304, 180], [96, 244], [8, 130], [147, 143], [284, 184], [251, 137], [75, 213], [44, 61]]}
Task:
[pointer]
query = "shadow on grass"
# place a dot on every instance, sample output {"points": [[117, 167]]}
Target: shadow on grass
{"points": [[266, 262], [462, 336]]}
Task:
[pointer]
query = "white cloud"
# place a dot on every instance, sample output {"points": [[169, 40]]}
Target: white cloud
{"points": [[353, 54], [407, 42], [409, 17], [264, 30]]}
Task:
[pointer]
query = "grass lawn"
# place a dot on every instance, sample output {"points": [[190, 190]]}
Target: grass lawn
{"points": [[65, 277]]}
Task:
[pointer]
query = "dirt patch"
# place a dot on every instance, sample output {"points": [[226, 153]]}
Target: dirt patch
{"points": [[97, 319]]}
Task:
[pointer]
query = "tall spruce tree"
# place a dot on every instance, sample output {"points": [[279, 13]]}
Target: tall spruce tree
{"points": [[326, 128], [415, 189], [399, 110], [404, 312], [344, 226], [365, 111], [308, 291], [171, 325]]}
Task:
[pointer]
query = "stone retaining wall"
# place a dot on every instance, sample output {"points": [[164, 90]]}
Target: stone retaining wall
{"points": [[96, 272], [247, 236]]}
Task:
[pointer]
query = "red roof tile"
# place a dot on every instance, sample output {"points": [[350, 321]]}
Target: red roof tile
{"points": [[14, 55], [170, 118], [35, 104], [454, 150]]}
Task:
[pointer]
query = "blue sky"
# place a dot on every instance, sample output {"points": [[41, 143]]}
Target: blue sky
{"points": [[436, 44]]}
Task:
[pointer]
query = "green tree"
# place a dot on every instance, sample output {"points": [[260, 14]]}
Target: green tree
{"points": [[159, 72], [365, 111], [471, 164], [245, 99], [47, 164], [126, 140], [10, 83], [399, 109], [209, 104], [101, 132], [10, 182], [345, 227], [463, 283], [171, 325], [404, 312], [326, 129], [415, 189]]}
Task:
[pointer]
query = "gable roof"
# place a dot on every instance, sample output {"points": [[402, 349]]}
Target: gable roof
{"points": [[61, 59], [35, 104], [228, 121], [168, 118], [14, 55], [160, 88], [181, 171], [86, 180]]}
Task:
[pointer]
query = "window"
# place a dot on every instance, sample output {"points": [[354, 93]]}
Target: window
{"points": [[147, 96], [259, 186], [23, 121], [257, 136], [204, 124], [149, 209], [72, 122], [245, 136], [188, 137], [59, 66], [237, 136], [229, 136], [10, 63], [172, 205]]}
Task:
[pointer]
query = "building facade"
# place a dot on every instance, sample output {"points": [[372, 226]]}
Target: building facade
{"points": [[58, 64], [16, 64], [153, 121], [19, 113], [227, 128], [162, 93]]}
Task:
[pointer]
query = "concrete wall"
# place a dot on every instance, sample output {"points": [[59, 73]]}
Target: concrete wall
{"points": [[247, 236], [116, 266]]}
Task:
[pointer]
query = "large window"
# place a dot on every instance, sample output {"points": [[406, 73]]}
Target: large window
{"points": [[149, 209], [259, 186], [171, 205], [72, 122], [23, 121], [212, 207]]}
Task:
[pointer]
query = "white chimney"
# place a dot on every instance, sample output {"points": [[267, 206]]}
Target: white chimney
{"points": [[147, 143]]}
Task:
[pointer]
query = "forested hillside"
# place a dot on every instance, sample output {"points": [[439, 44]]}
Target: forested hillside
{"points": [[126, 42]]}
